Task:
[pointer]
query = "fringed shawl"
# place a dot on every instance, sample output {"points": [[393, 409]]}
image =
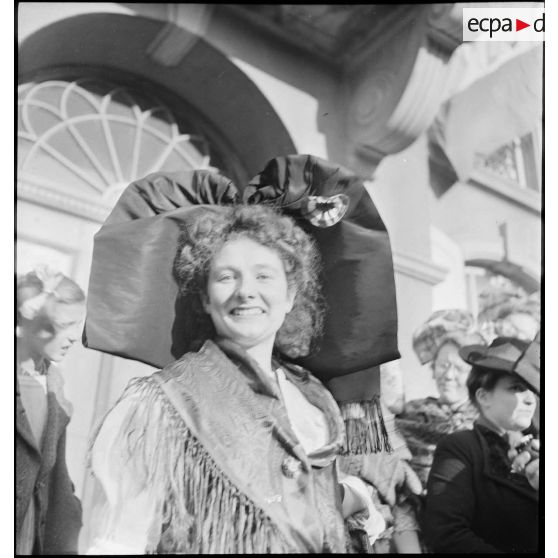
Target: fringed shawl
{"points": [[365, 427], [202, 512], [220, 493]]}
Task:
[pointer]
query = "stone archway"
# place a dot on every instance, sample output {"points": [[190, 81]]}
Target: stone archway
{"points": [[203, 77]]}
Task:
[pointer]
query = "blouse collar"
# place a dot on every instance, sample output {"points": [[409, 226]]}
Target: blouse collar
{"points": [[29, 368]]}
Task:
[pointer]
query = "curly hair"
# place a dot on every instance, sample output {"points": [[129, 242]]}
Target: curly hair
{"points": [[203, 239]]}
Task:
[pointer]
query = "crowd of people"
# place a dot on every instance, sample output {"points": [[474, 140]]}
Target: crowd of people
{"points": [[250, 438]]}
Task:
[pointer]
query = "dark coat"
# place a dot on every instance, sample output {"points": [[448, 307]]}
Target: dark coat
{"points": [[471, 507], [42, 474]]}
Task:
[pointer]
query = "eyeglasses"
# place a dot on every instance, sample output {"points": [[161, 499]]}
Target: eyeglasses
{"points": [[442, 367]]}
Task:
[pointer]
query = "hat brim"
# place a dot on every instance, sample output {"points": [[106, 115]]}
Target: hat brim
{"points": [[492, 358]]}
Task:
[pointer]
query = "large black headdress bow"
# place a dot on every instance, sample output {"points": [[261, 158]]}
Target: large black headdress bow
{"points": [[134, 307]]}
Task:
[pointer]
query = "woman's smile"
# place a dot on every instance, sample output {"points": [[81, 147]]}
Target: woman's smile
{"points": [[247, 311], [248, 295]]}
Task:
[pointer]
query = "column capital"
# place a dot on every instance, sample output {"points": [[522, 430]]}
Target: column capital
{"points": [[393, 93]]}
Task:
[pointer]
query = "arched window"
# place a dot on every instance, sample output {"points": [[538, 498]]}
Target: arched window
{"points": [[88, 139]]}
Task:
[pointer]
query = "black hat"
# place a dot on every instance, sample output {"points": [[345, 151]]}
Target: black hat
{"points": [[132, 309], [508, 354]]}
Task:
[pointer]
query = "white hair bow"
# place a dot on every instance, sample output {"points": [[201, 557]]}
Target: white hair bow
{"points": [[50, 279]]}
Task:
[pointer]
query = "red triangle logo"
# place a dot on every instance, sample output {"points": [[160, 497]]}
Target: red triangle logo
{"points": [[519, 25]]}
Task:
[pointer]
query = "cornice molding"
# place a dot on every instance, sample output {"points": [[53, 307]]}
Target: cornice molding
{"points": [[417, 268], [87, 208], [506, 189], [394, 97]]}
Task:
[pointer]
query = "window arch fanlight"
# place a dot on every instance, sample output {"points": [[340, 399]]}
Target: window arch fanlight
{"points": [[88, 139]]}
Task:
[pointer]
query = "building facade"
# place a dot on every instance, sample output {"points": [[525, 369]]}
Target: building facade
{"points": [[447, 137]]}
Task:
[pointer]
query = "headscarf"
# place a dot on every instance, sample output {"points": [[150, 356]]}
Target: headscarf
{"points": [[442, 326]]}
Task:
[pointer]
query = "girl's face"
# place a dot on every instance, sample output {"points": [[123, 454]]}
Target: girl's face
{"points": [[247, 293], [52, 334], [450, 374], [510, 405]]}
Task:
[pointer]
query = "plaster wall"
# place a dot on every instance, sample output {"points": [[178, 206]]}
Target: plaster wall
{"points": [[400, 190], [304, 92], [470, 215]]}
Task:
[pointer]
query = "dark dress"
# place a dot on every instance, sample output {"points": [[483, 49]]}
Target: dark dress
{"points": [[474, 504], [424, 422], [42, 475]]}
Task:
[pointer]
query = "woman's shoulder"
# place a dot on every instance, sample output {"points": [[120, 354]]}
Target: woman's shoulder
{"points": [[190, 360], [144, 390], [177, 366], [462, 441]]}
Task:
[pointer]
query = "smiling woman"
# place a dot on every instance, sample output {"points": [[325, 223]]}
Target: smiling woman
{"points": [[247, 294], [232, 446], [255, 277], [424, 421], [211, 425]]}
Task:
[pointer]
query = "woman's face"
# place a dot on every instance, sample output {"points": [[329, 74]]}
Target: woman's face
{"points": [[52, 334], [450, 374], [510, 405], [247, 293]]}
